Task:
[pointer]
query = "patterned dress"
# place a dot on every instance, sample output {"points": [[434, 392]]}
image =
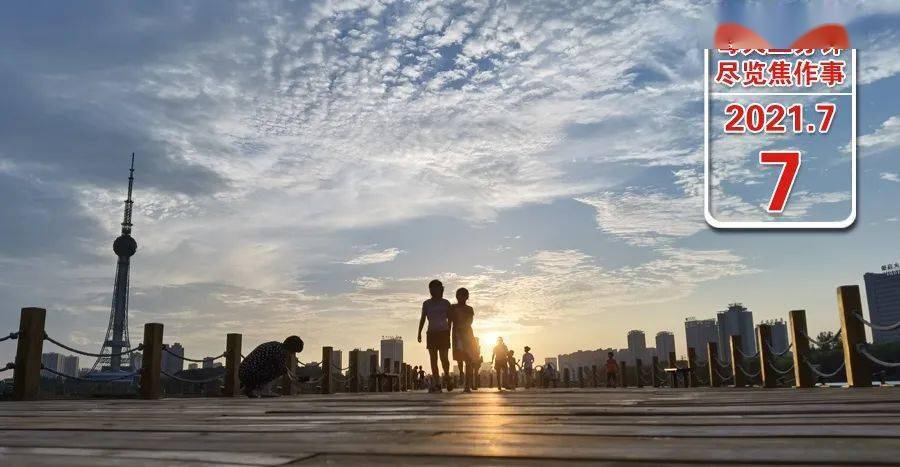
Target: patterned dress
{"points": [[264, 364]]}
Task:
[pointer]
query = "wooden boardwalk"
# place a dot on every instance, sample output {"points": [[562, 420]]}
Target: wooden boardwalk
{"points": [[626, 426]]}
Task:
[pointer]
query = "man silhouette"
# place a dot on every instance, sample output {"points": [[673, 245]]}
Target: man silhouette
{"points": [[500, 360], [436, 310]]}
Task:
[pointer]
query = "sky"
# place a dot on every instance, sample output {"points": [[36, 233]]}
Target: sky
{"points": [[307, 167]]}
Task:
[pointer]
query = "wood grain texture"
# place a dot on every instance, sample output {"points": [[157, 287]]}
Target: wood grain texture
{"points": [[536, 427]]}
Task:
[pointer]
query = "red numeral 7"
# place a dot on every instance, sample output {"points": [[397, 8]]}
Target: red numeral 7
{"points": [[826, 108], [790, 162]]}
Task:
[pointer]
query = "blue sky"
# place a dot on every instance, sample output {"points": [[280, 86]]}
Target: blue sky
{"points": [[306, 167]]}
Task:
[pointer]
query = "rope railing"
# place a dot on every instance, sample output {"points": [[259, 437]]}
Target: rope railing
{"points": [[195, 360], [821, 374], [91, 380], [90, 354], [877, 327], [190, 381], [701, 363], [723, 364], [865, 351], [738, 350], [789, 369], [724, 377], [779, 354], [819, 343], [747, 373], [12, 335]]}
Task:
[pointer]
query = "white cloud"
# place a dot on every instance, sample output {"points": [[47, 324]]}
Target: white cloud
{"points": [[890, 176], [645, 217], [375, 257], [886, 136]]}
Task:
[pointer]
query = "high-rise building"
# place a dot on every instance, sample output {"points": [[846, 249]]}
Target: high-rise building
{"points": [[172, 364], [883, 297], [665, 343], [365, 366], [637, 346], [780, 340], [735, 321], [699, 332], [70, 365], [52, 361], [391, 348], [111, 358]]}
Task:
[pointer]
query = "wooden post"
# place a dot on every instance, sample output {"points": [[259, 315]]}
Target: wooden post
{"points": [[673, 363], [764, 337], [327, 371], [803, 376], [653, 371], [287, 381], [639, 371], [354, 370], [373, 373], [856, 366], [692, 364], [737, 362], [594, 382], [151, 362], [395, 387], [232, 363], [623, 374], [580, 377], [566, 379], [712, 361], [27, 373]]}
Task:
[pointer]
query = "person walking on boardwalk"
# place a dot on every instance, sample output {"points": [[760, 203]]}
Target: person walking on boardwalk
{"points": [[477, 363], [528, 367], [461, 317], [512, 370], [612, 367], [500, 360], [436, 311], [266, 363]]}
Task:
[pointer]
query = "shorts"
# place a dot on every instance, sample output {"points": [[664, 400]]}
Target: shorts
{"points": [[437, 340]]}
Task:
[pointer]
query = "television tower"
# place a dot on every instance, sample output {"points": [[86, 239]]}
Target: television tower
{"points": [[117, 340]]}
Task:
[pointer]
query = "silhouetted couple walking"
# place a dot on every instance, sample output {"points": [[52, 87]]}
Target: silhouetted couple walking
{"points": [[449, 322]]}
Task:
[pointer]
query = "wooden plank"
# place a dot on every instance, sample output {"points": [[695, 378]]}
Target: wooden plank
{"points": [[656, 426]]}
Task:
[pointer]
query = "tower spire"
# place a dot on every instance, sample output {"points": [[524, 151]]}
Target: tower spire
{"points": [[126, 221]]}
